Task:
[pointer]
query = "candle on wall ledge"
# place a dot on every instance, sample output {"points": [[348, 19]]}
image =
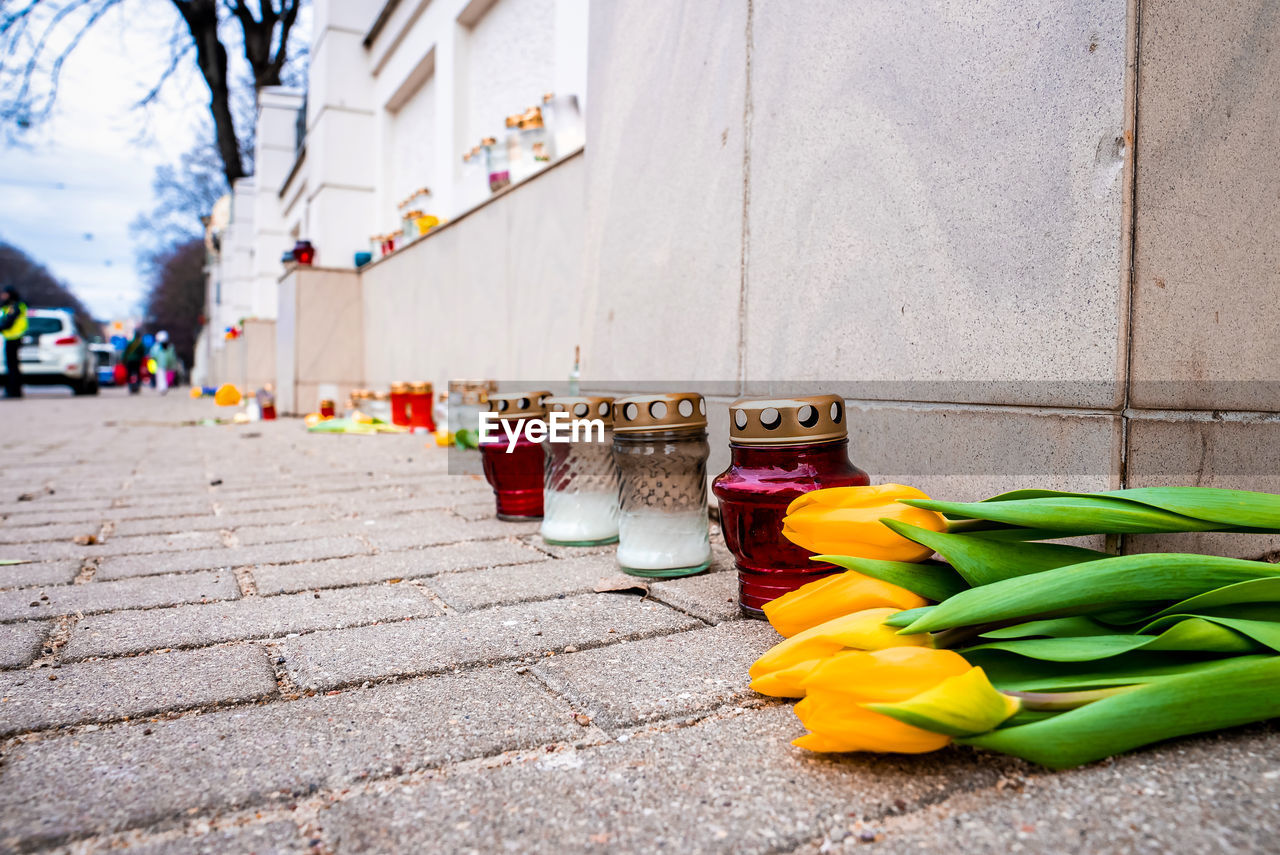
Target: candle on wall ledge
{"points": [[779, 449], [304, 253], [514, 468], [660, 446], [580, 497]]}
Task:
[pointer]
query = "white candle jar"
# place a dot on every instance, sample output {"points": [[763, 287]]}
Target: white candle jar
{"points": [[580, 495], [660, 447]]}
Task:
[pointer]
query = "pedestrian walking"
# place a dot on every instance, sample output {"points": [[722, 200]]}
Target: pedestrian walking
{"points": [[13, 324], [165, 359], [134, 354]]}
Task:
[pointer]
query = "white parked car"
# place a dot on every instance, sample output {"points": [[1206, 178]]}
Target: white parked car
{"points": [[55, 352]]}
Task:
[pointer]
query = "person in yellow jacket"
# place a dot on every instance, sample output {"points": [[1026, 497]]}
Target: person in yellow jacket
{"points": [[13, 325]]}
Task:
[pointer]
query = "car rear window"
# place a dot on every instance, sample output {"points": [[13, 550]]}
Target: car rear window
{"points": [[43, 325]]}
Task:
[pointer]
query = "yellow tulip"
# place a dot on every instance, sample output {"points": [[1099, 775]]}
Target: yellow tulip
{"points": [[830, 597], [846, 521], [856, 701], [227, 395], [781, 672]]}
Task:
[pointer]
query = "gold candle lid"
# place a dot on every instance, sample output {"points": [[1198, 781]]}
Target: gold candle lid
{"points": [[359, 394], [787, 421], [672, 411], [582, 407], [399, 387], [418, 387], [517, 405]]}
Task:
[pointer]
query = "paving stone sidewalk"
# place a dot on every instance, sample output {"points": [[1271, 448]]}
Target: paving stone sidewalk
{"points": [[232, 639]]}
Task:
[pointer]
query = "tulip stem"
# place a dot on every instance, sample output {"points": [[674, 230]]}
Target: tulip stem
{"points": [[1056, 701]]}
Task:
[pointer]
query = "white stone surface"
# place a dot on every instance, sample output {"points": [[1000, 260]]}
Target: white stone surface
{"points": [[663, 254], [936, 194]]}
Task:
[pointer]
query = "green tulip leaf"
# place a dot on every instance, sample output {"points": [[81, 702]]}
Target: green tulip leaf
{"points": [[1093, 586], [1233, 692], [1193, 635], [1208, 509], [930, 579], [982, 562], [1264, 632], [1071, 515], [906, 616], [1009, 672], [1052, 628], [1249, 592]]}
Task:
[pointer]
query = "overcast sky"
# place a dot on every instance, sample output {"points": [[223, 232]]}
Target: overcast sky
{"points": [[68, 195]]}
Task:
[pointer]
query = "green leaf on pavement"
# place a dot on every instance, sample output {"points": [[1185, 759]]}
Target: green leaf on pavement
{"points": [[1233, 692], [1193, 635], [1091, 587]]}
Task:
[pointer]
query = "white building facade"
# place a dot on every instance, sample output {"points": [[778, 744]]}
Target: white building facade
{"points": [[397, 93]]}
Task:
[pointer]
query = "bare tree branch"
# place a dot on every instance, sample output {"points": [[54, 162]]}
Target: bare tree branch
{"points": [[38, 36]]}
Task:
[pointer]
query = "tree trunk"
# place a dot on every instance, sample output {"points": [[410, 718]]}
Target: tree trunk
{"points": [[201, 17]]}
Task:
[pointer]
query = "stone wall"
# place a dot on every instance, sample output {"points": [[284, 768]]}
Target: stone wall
{"points": [[938, 211]]}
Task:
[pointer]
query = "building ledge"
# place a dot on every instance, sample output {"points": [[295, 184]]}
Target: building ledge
{"points": [[445, 226], [297, 165]]}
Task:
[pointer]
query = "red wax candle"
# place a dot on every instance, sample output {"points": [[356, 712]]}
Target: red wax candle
{"points": [[420, 407], [516, 476], [269, 411], [304, 253], [400, 404], [805, 449], [328, 409]]}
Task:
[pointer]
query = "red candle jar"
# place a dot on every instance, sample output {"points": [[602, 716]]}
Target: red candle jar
{"points": [[779, 449], [514, 472], [304, 253], [400, 404], [328, 409], [420, 399]]}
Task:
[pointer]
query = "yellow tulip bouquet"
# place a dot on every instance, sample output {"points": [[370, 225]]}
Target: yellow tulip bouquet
{"points": [[1054, 653]]}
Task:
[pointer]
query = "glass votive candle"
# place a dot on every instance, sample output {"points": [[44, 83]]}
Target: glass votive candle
{"points": [[358, 402], [514, 471], [328, 409], [400, 404], [379, 404], [420, 399], [779, 449], [580, 495], [660, 446]]}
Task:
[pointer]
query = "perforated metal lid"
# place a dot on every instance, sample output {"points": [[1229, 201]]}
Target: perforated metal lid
{"points": [[419, 387], [787, 421], [582, 407], [517, 405], [671, 411]]}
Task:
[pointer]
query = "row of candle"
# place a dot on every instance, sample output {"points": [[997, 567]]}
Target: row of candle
{"points": [[645, 485]]}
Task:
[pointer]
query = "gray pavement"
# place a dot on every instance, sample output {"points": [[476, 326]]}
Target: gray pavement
{"points": [[278, 642]]}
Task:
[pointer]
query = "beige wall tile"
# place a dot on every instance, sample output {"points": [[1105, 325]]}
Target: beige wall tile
{"points": [[936, 195], [663, 245], [1207, 260], [1236, 452]]}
